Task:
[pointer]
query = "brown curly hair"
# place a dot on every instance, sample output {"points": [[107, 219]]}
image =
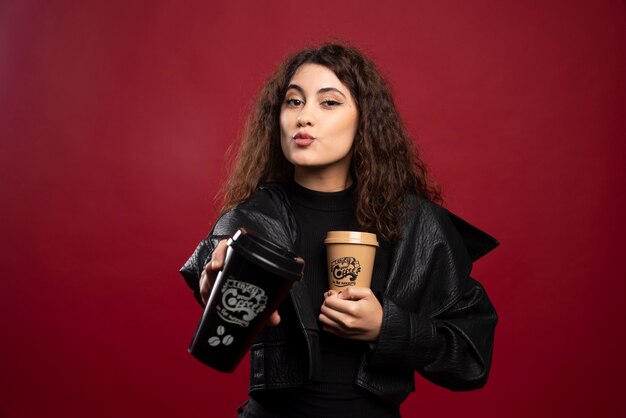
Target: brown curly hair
{"points": [[385, 163]]}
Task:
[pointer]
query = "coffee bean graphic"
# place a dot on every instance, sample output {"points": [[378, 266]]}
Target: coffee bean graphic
{"points": [[226, 340]]}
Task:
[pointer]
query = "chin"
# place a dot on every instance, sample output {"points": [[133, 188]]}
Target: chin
{"points": [[302, 161], [306, 164]]}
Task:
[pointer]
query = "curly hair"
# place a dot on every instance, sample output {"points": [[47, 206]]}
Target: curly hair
{"points": [[385, 163]]}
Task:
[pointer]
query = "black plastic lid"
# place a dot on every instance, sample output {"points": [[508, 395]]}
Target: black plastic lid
{"points": [[266, 254]]}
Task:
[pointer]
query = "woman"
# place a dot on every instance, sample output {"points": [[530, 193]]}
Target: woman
{"points": [[326, 150]]}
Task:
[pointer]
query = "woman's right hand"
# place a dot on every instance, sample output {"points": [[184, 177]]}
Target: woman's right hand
{"points": [[209, 274]]}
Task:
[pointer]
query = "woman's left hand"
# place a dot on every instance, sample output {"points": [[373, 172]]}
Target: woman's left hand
{"points": [[353, 313]]}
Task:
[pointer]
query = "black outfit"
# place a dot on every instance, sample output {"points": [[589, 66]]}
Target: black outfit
{"points": [[436, 319], [332, 393]]}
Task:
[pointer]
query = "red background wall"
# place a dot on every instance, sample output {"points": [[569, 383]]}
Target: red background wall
{"points": [[114, 120]]}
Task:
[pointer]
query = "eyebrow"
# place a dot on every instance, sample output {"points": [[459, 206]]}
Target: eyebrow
{"points": [[322, 90]]}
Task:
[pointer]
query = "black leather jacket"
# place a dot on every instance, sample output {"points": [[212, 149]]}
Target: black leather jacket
{"points": [[437, 320]]}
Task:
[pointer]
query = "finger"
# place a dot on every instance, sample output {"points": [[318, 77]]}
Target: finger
{"points": [[333, 330], [332, 317], [217, 258], [209, 274], [355, 293], [274, 319], [204, 289], [328, 323], [353, 335], [336, 327], [336, 303]]}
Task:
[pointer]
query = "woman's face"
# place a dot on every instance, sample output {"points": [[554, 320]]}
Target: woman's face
{"points": [[318, 122]]}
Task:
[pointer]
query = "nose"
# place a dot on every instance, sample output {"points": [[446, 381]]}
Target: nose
{"points": [[304, 118]]}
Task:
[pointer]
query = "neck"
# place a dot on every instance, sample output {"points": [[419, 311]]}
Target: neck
{"points": [[322, 181]]}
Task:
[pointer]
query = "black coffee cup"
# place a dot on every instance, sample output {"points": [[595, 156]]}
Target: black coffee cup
{"points": [[256, 277]]}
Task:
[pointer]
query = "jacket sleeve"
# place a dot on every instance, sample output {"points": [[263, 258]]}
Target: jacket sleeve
{"points": [[263, 213], [192, 269], [437, 320], [225, 226]]}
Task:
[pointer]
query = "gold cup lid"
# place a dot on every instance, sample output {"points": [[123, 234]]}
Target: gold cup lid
{"points": [[351, 237]]}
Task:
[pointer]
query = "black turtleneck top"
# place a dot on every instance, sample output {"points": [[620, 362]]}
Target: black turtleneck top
{"points": [[333, 394]]}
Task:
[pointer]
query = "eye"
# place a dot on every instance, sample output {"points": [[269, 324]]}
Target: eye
{"points": [[293, 102], [330, 103]]}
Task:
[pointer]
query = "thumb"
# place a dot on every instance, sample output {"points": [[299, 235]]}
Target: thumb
{"points": [[355, 293], [217, 259]]}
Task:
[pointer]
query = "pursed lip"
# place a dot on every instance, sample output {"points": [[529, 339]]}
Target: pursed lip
{"points": [[302, 135]]}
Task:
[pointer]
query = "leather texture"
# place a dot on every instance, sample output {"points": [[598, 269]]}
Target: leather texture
{"points": [[437, 320]]}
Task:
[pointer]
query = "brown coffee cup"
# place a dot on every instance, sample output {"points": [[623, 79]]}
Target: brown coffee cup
{"points": [[350, 256]]}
